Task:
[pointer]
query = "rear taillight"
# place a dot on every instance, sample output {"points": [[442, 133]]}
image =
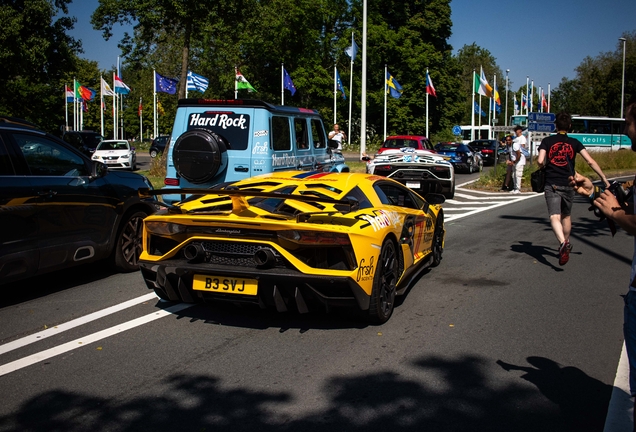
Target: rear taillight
{"points": [[487, 151], [171, 182]]}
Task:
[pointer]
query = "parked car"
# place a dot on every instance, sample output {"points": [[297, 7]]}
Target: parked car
{"points": [[158, 145], [462, 156], [59, 209], [228, 140], [397, 142], [85, 141], [292, 240], [116, 154], [420, 170], [488, 148]]}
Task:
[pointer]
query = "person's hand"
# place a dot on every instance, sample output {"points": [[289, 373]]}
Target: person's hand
{"points": [[607, 204], [581, 184]]}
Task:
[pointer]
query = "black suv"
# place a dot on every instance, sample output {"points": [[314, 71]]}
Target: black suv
{"points": [[58, 208], [158, 145], [85, 141]]}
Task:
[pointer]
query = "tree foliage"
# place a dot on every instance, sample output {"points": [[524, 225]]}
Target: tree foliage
{"points": [[36, 54], [308, 37]]}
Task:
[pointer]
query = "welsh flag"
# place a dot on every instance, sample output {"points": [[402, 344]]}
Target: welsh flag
{"points": [[242, 83]]}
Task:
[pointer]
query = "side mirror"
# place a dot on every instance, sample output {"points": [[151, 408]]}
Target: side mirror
{"points": [[98, 169], [365, 158], [435, 198]]}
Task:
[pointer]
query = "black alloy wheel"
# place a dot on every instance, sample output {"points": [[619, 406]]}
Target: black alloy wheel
{"points": [[437, 248], [128, 246], [384, 284]]}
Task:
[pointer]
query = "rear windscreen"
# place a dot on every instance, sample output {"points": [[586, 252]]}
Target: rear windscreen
{"points": [[233, 128]]}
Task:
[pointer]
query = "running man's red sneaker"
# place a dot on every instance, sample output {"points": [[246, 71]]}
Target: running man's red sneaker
{"points": [[564, 253]]}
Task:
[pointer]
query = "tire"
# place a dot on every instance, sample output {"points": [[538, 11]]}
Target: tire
{"points": [[450, 194], [437, 248], [153, 153], [128, 245], [384, 284], [199, 155]]}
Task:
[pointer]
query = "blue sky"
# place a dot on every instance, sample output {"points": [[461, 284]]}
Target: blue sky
{"points": [[545, 40]]}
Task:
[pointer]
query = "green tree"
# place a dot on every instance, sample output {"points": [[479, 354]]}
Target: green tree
{"points": [[156, 21], [36, 55]]}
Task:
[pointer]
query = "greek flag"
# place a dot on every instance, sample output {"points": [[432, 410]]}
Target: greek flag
{"points": [[197, 82]]}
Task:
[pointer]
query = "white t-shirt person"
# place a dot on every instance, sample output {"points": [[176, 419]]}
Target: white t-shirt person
{"points": [[337, 135]]}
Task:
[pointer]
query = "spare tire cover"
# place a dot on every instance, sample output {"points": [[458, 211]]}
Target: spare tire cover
{"points": [[199, 155]]}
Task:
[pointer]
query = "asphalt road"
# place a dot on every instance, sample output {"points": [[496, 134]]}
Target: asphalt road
{"points": [[497, 338]]}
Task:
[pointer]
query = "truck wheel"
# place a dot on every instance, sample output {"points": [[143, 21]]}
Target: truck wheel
{"points": [[199, 155]]}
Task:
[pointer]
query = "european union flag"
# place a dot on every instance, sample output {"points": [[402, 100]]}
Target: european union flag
{"points": [[288, 84], [394, 87], [340, 86], [165, 85], [479, 110]]}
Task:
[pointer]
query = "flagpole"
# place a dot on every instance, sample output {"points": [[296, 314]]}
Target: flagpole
{"points": [[527, 94], [101, 104], [472, 117], [532, 86], [350, 87], [141, 122], [548, 97], [427, 104], [114, 109], [74, 106], [363, 92], [335, 89], [235, 83], [491, 133], [66, 105], [282, 83], [154, 103], [385, 90]]}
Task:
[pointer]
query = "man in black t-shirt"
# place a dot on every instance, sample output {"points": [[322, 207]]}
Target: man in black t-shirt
{"points": [[557, 153]]}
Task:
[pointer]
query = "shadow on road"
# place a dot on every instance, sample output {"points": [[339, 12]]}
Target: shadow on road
{"points": [[564, 399]]}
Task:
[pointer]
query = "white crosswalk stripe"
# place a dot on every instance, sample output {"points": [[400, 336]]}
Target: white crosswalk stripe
{"points": [[467, 202]]}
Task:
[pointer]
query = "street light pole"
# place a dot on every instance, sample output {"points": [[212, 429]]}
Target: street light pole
{"points": [[506, 112], [623, 86]]}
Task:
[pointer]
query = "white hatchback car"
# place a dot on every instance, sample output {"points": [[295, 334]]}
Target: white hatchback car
{"points": [[116, 154]]}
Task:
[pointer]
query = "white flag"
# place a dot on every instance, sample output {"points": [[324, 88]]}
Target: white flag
{"points": [[106, 91]]}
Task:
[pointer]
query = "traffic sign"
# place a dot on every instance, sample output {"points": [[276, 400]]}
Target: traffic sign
{"points": [[457, 130], [541, 127], [541, 117]]}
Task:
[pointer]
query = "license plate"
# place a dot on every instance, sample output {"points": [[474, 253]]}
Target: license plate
{"points": [[226, 285], [111, 161], [413, 185]]}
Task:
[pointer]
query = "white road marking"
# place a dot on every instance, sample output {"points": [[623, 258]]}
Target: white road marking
{"points": [[620, 412], [519, 197], [73, 323], [78, 343]]}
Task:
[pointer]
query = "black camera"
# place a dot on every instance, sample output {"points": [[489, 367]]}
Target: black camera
{"points": [[616, 189]]}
